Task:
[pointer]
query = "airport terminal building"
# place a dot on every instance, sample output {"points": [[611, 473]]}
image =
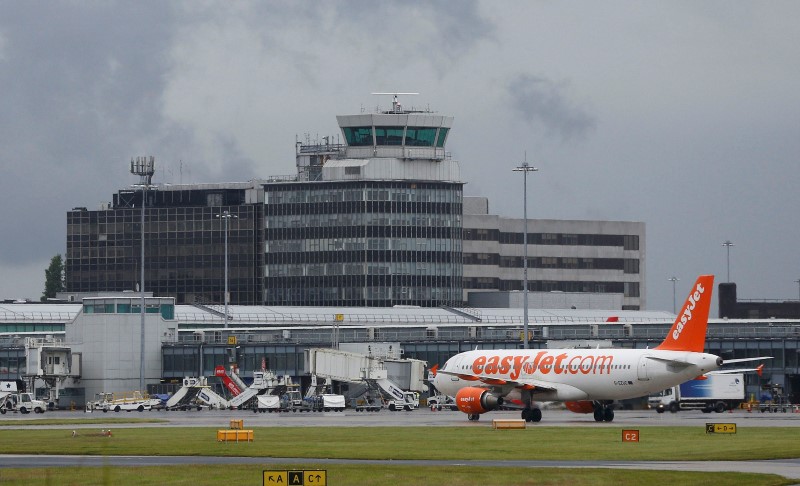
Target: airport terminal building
{"points": [[377, 221], [97, 338]]}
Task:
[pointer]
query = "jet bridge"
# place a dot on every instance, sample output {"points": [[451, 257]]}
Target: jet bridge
{"points": [[373, 371], [51, 361], [343, 366]]}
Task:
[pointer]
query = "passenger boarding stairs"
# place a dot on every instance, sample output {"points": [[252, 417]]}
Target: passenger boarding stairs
{"points": [[195, 392], [264, 382]]}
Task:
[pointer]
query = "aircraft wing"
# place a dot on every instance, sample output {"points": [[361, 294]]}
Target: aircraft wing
{"points": [[673, 362]]}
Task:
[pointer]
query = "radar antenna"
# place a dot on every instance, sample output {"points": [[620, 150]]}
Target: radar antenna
{"points": [[396, 106]]}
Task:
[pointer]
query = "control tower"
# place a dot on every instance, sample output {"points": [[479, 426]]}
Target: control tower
{"points": [[394, 144], [373, 222], [397, 133]]}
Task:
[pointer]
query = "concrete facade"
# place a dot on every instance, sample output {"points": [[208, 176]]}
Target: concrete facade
{"points": [[605, 257], [109, 343]]}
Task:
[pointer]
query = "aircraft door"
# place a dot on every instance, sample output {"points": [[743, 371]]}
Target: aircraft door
{"points": [[456, 367], [641, 369]]}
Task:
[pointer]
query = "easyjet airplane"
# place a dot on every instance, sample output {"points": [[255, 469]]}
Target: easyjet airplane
{"points": [[587, 380]]}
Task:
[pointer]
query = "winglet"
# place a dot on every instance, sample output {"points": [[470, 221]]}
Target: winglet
{"points": [[688, 333]]}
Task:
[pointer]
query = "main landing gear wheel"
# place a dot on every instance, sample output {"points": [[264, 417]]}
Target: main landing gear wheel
{"points": [[531, 414], [473, 417], [603, 414]]}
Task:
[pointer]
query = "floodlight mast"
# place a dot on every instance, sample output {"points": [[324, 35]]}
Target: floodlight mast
{"points": [[673, 279], [226, 215], [144, 167], [525, 168]]}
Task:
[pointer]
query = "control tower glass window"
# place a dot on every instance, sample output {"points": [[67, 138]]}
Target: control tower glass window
{"points": [[442, 137], [389, 135], [358, 136], [420, 137]]}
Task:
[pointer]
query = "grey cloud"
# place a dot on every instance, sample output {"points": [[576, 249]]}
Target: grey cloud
{"points": [[541, 100], [438, 32], [87, 85], [77, 91]]}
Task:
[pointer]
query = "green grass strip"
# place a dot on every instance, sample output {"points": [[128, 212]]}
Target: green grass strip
{"points": [[387, 443]]}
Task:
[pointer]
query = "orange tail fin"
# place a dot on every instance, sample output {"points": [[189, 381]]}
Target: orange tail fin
{"points": [[688, 333]]}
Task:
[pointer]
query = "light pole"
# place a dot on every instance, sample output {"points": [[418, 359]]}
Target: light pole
{"points": [[798, 288], [728, 244], [673, 279], [144, 167], [225, 216], [525, 168]]}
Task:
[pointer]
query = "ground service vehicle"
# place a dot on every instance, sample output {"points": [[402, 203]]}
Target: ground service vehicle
{"points": [[329, 402], [716, 393], [367, 404], [773, 399], [318, 403], [22, 403], [268, 403], [442, 402], [123, 402], [398, 399]]}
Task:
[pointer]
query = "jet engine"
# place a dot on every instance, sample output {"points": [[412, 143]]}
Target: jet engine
{"points": [[583, 406], [474, 400]]}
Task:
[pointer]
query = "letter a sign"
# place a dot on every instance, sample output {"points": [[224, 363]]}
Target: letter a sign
{"points": [[295, 478]]}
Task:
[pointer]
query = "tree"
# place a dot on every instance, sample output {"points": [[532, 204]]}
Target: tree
{"points": [[53, 278]]}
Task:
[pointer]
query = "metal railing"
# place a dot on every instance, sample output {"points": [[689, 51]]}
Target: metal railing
{"points": [[322, 334], [292, 318], [58, 317]]}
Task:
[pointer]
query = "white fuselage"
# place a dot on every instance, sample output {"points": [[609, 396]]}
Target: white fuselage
{"points": [[573, 374]]}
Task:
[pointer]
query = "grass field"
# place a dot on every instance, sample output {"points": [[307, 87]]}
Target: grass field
{"points": [[386, 443], [395, 443]]}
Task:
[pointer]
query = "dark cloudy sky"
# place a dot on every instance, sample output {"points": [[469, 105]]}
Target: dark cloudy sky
{"points": [[684, 115]]}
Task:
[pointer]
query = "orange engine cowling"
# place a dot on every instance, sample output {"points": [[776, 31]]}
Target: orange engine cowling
{"points": [[580, 407], [477, 400]]}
